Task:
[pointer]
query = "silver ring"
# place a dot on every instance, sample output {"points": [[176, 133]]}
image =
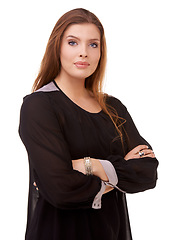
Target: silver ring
{"points": [[141, 153]]}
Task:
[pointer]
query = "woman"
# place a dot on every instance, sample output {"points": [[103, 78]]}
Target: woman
{"points": [[84, 150]]}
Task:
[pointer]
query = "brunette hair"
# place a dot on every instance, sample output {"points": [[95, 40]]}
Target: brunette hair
{"points": [[51, 65]]}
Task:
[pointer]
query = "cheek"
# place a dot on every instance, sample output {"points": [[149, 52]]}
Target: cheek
{"points": [[98, 57], [65, 55], [95, 58], [68, 54]]}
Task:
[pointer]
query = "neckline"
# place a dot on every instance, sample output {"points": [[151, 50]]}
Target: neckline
{"points": [[74, 102]]}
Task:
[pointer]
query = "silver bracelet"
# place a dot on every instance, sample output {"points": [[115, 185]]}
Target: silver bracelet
{"points": [[88, 166]]}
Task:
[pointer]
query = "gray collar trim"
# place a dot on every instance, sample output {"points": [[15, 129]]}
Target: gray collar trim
{"points": [[50, 87]]}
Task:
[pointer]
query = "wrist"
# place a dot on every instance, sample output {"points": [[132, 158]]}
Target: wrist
{"points": [[95, 166], [88, 164], [99, 171]]}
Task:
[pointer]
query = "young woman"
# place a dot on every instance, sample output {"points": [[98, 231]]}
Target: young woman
{"points": [[84, 150]]}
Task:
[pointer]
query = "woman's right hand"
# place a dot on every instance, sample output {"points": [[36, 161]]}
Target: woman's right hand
{"points": [[135, 152]]}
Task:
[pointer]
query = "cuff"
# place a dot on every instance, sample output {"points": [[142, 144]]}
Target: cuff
{"points": [[113, 180], [97, 200], [110, 171], [111, 174]]}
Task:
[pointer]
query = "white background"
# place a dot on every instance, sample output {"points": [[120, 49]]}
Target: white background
{"points": [[150, 69]]}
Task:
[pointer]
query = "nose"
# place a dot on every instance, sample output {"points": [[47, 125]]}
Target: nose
{"points": [[83, 52], [81, 55]]}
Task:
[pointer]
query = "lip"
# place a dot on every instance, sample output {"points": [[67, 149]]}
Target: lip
{"points": [[81, 64]]}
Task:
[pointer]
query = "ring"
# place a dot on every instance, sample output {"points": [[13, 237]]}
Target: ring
{"points": [[141, 153]]}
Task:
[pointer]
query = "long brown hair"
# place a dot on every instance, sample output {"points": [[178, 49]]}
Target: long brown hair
{"points": [[51, 65]]}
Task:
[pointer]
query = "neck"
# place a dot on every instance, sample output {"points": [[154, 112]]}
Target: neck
{"points": [[72, 87]]}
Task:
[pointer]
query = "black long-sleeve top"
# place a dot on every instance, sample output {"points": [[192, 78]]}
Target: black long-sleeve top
{"points": [[55, 131]]}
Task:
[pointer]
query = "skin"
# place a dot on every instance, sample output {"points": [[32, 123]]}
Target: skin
{"points": [[81, 42], [78, 45]]}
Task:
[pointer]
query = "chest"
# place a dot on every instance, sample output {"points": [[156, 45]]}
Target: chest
{"points": [[91, 135]]}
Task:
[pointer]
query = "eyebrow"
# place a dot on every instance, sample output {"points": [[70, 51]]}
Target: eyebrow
{"points": [[93, 39]]}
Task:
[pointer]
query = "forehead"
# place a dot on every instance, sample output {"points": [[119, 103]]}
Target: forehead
{"points": [[83, 30]]}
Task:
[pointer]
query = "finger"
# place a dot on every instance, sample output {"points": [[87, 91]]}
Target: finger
{"points": [[134, 153], [140, 147], [144, 153], [151, 155], [133, 156], [35, 185]]}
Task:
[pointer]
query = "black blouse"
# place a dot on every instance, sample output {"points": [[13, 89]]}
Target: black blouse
{"points": [[54, 131]]}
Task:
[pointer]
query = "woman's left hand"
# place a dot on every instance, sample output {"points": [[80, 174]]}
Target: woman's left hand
{"points": [[140, 151]]}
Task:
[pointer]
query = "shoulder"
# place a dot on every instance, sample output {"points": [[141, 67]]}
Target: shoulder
{"points": [[36, 105], [41, 97], [38, 110], [35, 100], [116, 104], [112, 100]]}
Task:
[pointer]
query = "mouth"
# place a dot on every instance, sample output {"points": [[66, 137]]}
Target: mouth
{"points": [[81, 64]]}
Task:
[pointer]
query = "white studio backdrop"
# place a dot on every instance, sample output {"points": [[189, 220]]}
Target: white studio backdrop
{"points": [[150, 69]]}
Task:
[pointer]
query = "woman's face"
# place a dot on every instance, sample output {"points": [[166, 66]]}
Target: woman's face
{"points": [[80, 50]]}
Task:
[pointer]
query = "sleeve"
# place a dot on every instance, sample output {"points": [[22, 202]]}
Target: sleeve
{"points": [[50, 159], [134, 175], [112, 181]]}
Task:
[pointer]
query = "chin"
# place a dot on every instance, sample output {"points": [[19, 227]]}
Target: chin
{"points": [[83, 75]]}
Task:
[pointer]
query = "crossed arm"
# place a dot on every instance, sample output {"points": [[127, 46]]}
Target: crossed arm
{"points": [[98, 169]]}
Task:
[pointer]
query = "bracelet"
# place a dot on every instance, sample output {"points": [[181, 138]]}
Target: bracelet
{"points": [[88, 166]]}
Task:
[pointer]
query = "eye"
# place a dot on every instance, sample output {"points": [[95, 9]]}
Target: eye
{"points": [[72, 43], [94, 45]]}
